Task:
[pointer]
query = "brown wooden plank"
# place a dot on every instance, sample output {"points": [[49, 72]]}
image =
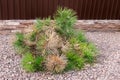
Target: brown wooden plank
{"points": [[112, 8], [98, 11], [60, 3], [0, 10], [76, 7], [118, 17], [50, 7], [116, 9], [89, 9], [85, 9], [71, 4], [28, 9], [16, 9], [63, 3], [11, 9], [55, 6], [4, 5], [118, 14], [22, 9], [93, 10], [66, 3], [39, 8], [74, 4], [80, 6], [108, 9], [34, 9], [113, 12], [53, 10], [103, 9], [47, 7], [44, 7]]}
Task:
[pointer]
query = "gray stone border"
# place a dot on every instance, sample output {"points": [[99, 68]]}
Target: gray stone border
{"points": [[13, 26]]}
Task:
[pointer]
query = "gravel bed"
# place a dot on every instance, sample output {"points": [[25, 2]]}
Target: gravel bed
{"points": [[107, 66]]}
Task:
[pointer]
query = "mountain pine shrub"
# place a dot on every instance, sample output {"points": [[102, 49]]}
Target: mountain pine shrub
{"points": [[55, 46]]}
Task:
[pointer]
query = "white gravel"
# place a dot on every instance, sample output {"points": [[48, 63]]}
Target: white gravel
{"points": [[107, 66]]}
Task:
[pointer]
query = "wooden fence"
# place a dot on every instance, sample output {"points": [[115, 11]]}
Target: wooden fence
{"points": [[86, 9]]}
